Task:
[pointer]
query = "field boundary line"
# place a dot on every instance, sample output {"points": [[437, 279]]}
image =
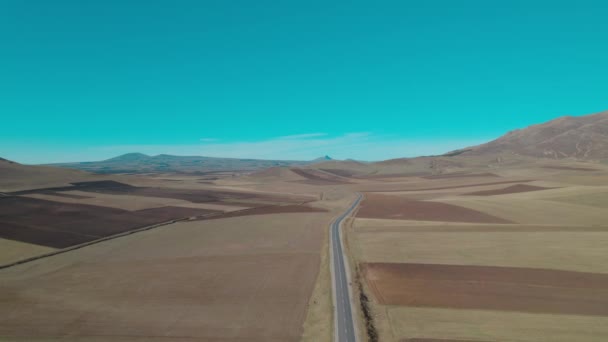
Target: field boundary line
{"points": [[105, 238]]}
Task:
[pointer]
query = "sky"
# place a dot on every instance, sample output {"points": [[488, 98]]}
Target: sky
{"points": [[368, 80]]}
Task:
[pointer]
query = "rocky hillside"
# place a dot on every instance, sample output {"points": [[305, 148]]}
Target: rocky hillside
{"points": [[584, 137]]}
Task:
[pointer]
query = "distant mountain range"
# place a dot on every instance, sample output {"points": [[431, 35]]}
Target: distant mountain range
{"points": [[567, 139], [582, 138], [142, 163]]}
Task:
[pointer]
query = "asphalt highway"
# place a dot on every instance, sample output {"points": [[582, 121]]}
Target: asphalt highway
{"points": [[343, 312]]}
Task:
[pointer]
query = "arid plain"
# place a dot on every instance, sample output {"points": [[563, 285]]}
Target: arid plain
{"points": [[467, 259], [172, 258], [502, 245]]}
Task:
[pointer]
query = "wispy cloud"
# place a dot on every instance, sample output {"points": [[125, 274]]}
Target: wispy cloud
{"points": [[302, 136], [356, 145]]}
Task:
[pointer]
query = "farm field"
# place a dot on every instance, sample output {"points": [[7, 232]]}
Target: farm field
{"points": [[518, 258], [237, 261], [239, 278], [12, 250], [437, 257], [66, 216]]}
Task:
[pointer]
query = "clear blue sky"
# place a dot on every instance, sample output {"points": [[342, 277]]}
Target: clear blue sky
{"points": [[86, 80]]}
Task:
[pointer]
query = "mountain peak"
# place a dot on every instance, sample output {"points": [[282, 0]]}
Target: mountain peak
{"points": [[321, 159], [135, 156]]}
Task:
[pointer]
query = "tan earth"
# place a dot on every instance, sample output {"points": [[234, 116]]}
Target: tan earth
{"points": [[480, 245], [538, 275], [243, 278], [12, 251], [251, 272]]}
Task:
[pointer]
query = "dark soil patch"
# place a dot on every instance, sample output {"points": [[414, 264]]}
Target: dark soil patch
{"points": [[60, 225], [195, 196], [508, 190], [489, 288], [42, 236], [81, 186], [393, 207]]}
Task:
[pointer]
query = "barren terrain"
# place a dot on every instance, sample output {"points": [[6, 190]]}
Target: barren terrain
{"points": [[246, 278], [482, 244], [444, 274]]}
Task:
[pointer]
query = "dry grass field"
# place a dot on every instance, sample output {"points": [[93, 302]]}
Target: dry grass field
{"points": [[516, 253], [11, 250], [242, 278], [248, 263], [519, 255], [78, 213]]}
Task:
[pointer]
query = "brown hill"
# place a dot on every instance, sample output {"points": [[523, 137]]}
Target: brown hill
{"points": [[584, 137], [15, 176]]}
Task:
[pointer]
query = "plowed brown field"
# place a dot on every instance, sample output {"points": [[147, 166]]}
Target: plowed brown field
{"points": [[60, 225], [192, 195], [393, 207], [488, 287]]}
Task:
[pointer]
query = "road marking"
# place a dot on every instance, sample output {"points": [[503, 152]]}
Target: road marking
{"points": [[340, 286]]}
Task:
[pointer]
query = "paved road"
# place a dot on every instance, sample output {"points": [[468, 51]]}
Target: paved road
{"points": [[343, 313]]}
